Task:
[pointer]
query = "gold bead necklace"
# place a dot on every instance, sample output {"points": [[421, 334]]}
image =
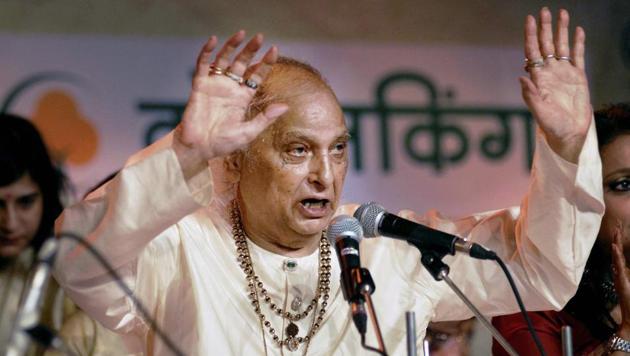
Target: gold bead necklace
{"points": [[255, 284]]}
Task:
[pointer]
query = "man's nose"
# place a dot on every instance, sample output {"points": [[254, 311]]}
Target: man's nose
{"points": [[321, 172]]}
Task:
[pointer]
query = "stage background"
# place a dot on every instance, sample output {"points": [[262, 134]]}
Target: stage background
{"points": [[102, 79]]}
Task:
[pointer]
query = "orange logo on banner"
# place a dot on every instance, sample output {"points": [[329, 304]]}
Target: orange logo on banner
{"points": [[68, 134]]}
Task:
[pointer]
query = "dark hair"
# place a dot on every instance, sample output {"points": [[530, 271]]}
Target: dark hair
{"points": [[595, 297], [611, 122], [22, 151]]}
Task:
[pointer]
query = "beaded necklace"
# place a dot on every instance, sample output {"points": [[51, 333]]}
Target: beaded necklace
{"points": [[258, 291]]}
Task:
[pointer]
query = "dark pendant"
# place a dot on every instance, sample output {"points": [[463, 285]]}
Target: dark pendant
{"points": [[292, 330]]}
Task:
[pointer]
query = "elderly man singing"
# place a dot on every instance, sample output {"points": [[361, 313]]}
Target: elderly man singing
{"points": [[218, 229]]}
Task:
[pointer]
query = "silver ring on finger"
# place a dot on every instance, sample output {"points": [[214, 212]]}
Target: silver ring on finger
{"points": [[214, 70], [550, 56], [564, 58], [234, 77], [250, 83]]}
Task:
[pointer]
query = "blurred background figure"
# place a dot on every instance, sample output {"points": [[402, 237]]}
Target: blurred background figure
{"points": [[450, 338], [598, 311], [30, 199]]}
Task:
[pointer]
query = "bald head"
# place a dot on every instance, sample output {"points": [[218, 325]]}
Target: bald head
{"points": [[289, 81]]}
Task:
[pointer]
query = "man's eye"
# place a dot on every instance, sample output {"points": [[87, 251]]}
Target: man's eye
{"points": [[620, 185], [340, 147], [297, 151]]}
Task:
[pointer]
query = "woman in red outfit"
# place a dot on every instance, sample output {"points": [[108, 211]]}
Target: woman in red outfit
{"points": [[601, 308]]}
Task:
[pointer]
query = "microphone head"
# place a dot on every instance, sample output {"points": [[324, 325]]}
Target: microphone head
{"points": [[369, 215], [344, 226]]}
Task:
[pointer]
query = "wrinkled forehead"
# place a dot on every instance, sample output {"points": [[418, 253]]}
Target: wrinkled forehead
{"points": [[316, 113], [312, 103]]}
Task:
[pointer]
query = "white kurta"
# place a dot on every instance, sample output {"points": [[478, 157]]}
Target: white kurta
{"points": [[176, 252]]}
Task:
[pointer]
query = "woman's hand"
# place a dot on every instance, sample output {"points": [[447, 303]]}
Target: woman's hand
{"points": [[556, 90], [215, 121]]}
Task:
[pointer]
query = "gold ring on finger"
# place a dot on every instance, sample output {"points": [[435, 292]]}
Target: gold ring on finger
{"points": [[234, 77], [214, 70]]}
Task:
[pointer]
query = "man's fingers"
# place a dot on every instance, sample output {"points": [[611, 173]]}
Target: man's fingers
{"points": [[532, 50], [545, 33], [251, 70], [203, 59], [529, 91], [252, 128], [274, 111], [578, 47], [245, 56], [561, 39], [223, 57], [259, 71]]}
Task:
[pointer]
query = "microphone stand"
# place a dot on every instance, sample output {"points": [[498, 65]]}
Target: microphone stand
{"points": [[26, 326], [410, 319], [439, 270], [365, 286], [567, 341]]}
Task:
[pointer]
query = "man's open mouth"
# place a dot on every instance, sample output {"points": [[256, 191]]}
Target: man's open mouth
{"points": [[315, 203]]}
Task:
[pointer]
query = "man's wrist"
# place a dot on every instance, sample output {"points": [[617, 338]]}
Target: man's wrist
{"points": [[568, 149]]}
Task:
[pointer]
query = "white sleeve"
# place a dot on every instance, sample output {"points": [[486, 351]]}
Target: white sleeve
{"points": [[136, 209], [545, 242]]}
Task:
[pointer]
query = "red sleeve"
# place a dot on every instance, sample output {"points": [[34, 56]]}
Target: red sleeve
{"points": [[514, 328]]}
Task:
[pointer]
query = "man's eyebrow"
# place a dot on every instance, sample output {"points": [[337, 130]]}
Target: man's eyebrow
{"points": [[294, 134], [302, 135], [345, 136]]}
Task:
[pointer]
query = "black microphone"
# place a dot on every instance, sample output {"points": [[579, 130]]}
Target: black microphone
{"points": [[345, 233], [376, 221]]}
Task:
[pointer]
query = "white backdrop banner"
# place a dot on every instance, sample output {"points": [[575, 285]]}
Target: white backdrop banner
{"points": [[432, 127]]}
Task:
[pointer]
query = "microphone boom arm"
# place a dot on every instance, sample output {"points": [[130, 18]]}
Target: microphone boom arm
{"points": [[432, 261]]}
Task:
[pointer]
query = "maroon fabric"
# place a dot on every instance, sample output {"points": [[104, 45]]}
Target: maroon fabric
{"points": [[548, 325]]}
